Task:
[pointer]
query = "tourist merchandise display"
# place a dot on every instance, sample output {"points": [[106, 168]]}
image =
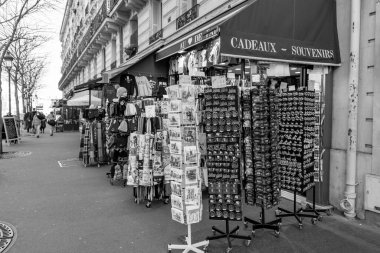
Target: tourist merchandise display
{"points": [[186, 197], [93, 138], [260, 135], [297, 133], [222, 126]]}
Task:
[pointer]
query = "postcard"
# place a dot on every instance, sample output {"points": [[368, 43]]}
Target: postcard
{"points": [[174, 133], [188, 114], [173, 92], [177, 215], [190, 154], [193, 215], [176, 175], [174, 119], [189, 134], [191, 175], [175, 147], [177, 202], [175, 160], [176, 188], [188, 93], [192, 195], [175, 105]]}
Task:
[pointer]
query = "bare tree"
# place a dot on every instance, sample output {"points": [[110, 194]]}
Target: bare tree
{"points": [[23, 51], [12, 15]]}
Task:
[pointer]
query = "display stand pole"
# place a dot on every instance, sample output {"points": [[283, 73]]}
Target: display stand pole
{"points": [[298, 214], [189, 246], [274, 225], [311, 208], [229, 234]]}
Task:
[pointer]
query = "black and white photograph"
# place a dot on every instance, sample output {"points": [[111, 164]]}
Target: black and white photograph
{"points": [[267, 107]]}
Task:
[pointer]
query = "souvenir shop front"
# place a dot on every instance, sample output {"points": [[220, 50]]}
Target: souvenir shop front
{"points": [[263, 111], [127, 131]]}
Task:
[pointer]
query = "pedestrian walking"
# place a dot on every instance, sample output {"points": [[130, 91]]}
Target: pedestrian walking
{"points": [[43, 126], [50, 119], [37, 123]]}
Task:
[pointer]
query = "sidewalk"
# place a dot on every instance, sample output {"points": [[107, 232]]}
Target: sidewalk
{"points": [[74, 209]]}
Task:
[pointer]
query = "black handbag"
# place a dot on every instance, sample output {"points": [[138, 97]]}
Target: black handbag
{"points": [[51, 122], [93, 113]]}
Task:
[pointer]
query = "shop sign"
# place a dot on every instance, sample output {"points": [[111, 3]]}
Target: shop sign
{"points": [[199, 37], [259, 46], [188, 42]]}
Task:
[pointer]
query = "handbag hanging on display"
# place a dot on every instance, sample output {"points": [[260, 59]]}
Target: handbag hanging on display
{"points": [[123, 127], [113, 128]]}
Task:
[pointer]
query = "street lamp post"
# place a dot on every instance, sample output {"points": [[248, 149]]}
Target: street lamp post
{"points": [[8, 64]]}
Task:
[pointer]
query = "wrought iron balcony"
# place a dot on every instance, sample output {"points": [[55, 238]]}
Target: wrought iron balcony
{"points": [[155, 37], [113, 3], [188, 16]]}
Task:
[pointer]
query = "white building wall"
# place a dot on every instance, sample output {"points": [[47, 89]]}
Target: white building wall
{"points": [[366, 129], [143, 28]]}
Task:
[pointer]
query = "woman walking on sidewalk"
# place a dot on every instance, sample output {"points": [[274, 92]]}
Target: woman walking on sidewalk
{"points": [[50, 123], [37, 124]]}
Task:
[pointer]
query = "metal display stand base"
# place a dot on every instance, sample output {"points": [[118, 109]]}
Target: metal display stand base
{"points": [[229, 234], [262, 224], [189, 247], [300, 213]]}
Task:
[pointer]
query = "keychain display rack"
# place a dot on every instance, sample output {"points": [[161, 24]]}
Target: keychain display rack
{"points": [[260, 133], [297, 129], [223, 129]]}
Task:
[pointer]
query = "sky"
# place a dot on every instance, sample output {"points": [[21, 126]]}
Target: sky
{"points": [[51, 22]]}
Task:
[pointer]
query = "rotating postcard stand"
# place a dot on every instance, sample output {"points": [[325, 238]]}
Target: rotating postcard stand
{"points": [[189, 246], [186, 198]]}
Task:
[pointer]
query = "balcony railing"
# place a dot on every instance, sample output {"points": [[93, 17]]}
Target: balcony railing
{"points": [[188, 16], [113, 3], [155, 37]]}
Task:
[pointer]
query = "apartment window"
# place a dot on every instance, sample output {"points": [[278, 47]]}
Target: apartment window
{"points": [[104, 58], [95, 66], [156, 20], [185, 5], [113, 56]]}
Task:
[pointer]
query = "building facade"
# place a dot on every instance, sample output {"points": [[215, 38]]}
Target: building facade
{"points": [[101, 38]]}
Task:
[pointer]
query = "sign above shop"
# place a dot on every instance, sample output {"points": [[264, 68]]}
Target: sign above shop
{"points": [[305, 32], [191, 41]]}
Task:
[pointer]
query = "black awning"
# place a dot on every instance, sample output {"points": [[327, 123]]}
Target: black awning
{"points": [[91, 84], [301, 31]]}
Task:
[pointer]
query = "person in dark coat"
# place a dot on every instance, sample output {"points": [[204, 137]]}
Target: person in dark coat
{"points": [[28, 118]]}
